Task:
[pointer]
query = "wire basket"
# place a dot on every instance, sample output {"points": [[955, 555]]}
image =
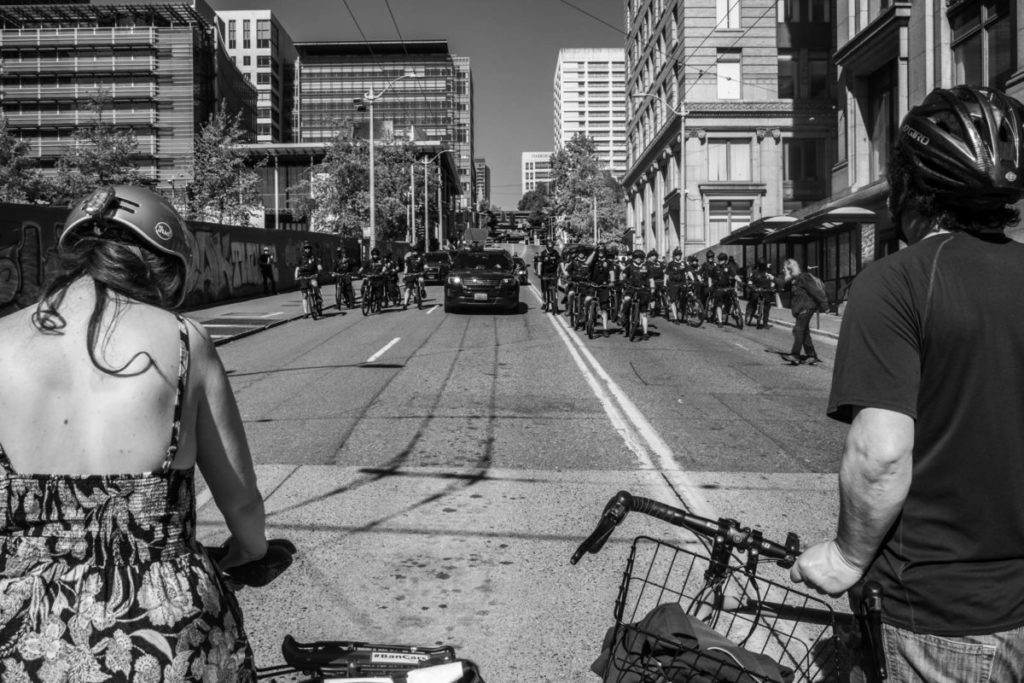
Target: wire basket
{"points": [[771, 632]]}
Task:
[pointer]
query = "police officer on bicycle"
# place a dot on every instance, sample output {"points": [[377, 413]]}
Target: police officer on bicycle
{"points": [[306, 274]]}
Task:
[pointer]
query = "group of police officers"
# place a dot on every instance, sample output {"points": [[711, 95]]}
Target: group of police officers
{"points": [[660, 286]]}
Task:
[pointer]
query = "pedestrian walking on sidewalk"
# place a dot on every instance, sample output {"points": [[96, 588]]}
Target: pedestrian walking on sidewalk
{"points": [[928, 375], [266, 262], [108, 401], [806, 299]]}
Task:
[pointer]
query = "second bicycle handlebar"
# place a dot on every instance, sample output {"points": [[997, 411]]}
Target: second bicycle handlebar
{"points": [[728, 531]]}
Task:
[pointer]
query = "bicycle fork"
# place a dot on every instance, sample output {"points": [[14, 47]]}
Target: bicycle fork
{"points": [[871, 623]]}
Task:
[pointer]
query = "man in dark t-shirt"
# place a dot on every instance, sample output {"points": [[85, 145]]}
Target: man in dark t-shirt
{"points": [[928, 373]]}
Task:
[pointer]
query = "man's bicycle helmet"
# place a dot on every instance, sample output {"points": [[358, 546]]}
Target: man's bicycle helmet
{"points": [[966, 144], [145, 214]]}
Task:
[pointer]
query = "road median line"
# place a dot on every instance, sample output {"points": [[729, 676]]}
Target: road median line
{"points": [[383, 350]]}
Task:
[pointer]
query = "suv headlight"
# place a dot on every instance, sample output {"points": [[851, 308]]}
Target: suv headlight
{"points": [[508, 281], [454, 280]]}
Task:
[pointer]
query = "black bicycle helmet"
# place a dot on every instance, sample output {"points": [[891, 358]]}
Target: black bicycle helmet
{"points": [[710, 254], [652, 252], [966, 144], [677, 252], [692, 258], [145, 214], [638, 254], [722, 257]]}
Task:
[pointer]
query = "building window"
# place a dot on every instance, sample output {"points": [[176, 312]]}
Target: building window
{"points": [[983, 45], [232, 27], [246, 30], [815, 11], [817, 63], [729, 74], [263, 33], [800, 159], [727, 13], [729, 160], [246, 60], [787, 74], [727, 215]]}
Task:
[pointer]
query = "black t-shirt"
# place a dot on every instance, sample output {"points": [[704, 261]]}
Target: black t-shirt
{"points": [[549, 260], [936, 332]]}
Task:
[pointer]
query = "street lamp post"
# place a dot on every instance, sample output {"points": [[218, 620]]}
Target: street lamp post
{"points": [[681, 113], [369, 98], [426, 201]]}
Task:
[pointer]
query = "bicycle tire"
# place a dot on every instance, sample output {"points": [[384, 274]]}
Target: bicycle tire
{"points": [[337, 295], [736, 312], [419, 298], [634, 319], [319, 302], [367, 301], [591, 315]]}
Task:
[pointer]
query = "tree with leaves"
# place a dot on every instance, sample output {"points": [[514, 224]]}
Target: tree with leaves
{"points": [[101, 154], [336, 195], [224, 186], [538, 203], [20, 179], [578, 185]]}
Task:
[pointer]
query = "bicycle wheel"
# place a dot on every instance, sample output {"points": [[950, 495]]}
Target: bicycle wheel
{"points": [[634, 319], [419, 298], [572, 311], [338, 294], [736, 312], [367, 300], [591, 318], [318, 302], [379, 300]]}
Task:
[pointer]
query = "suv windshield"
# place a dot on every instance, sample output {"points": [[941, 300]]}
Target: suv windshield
{"points": [[468, 260]]}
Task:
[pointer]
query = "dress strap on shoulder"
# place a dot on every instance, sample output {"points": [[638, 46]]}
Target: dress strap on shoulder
{"points": [[179, 399]]}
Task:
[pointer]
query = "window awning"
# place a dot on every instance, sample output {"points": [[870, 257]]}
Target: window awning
{"points": [[757, 231], [821, 222]]}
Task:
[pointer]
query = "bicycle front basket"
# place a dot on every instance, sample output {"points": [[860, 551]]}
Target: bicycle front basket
{"points": [[743, 628]]}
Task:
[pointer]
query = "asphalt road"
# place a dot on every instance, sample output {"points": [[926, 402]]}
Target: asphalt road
{"points": [[437, 470]]}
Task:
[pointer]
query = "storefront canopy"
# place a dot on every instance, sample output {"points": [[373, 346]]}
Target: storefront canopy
{"points": [[759, 230], [821, 222]]}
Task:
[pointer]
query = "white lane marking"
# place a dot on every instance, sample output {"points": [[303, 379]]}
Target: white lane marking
{"points": [[271, 315], [638, 433], [432, 309], [230, 325], [383, 350]]}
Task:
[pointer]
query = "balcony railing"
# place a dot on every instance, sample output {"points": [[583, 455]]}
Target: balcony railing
{"points": [[50, 147], [50, 119], [96, 36], [76, 91]]}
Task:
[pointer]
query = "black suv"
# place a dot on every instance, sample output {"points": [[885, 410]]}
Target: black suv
{"points": [[436, 265], [482, 277]]}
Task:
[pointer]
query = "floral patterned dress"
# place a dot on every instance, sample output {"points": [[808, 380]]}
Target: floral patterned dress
{"points": [[101, 578]]}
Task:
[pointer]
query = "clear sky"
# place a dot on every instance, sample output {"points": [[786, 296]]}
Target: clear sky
{"points": [[512, 45]]}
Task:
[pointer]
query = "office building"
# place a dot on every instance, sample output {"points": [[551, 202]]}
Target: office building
{"points": [[481, 183], [434, 104], [590, 98], [161, 65], [889, 56], [536, 170], [729, 115], [264, 53]]}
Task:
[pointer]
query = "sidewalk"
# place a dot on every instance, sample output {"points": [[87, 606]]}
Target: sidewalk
{"points": [[822, 324], [227, 321]]}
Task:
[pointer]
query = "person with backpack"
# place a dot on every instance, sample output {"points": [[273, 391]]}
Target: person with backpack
{"points": [[807, 296]]}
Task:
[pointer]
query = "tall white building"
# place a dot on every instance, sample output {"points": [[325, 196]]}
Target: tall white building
{"points": [[590, 98], [264, 53], [536, 170]]}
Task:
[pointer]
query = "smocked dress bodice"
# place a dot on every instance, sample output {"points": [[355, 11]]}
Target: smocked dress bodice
{"points": [[101, 577]]}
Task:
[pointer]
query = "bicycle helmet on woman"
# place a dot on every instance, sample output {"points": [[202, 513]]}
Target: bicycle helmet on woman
{"points": [[142, 214], [966, 146]]}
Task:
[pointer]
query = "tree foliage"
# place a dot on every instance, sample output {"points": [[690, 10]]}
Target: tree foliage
{"points": [[20, 180], [336, 195], [578, 183], [224, 187], [101, 154], [538, 203]]}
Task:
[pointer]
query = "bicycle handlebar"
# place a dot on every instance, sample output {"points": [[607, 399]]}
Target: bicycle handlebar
{"points": [[726, 530], [258, 573]]}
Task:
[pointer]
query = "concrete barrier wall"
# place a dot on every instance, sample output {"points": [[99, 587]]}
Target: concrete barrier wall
{"points": [[224, 263]]}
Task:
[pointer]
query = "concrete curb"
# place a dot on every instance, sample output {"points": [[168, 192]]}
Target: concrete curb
{"points": [[256, 330]]}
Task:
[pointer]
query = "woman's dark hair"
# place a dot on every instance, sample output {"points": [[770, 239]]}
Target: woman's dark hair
{"points": [[119, 266], [944, 211]]}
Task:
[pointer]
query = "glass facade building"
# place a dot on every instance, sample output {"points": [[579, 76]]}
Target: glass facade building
{"points": [[436, 104]]}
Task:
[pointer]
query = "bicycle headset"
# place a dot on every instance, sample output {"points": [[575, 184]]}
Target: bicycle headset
{"points": [[965, 144], [144, 214]]}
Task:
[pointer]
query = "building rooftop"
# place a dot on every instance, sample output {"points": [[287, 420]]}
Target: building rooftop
{"points": [[114, 15], [371, 48]]}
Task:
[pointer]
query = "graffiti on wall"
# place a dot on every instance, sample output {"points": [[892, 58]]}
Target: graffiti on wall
{"points": [[225, 264], [27, 261]]}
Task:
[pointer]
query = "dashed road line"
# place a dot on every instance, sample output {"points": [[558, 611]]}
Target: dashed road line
{"points": [[383, 350], [432, 309]]}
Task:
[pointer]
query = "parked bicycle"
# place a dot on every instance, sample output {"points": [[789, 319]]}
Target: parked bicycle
{"points": [[686, 615], [351, 661]]}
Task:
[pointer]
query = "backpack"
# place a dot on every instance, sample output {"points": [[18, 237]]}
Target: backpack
{"points": [[816, 288]]}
